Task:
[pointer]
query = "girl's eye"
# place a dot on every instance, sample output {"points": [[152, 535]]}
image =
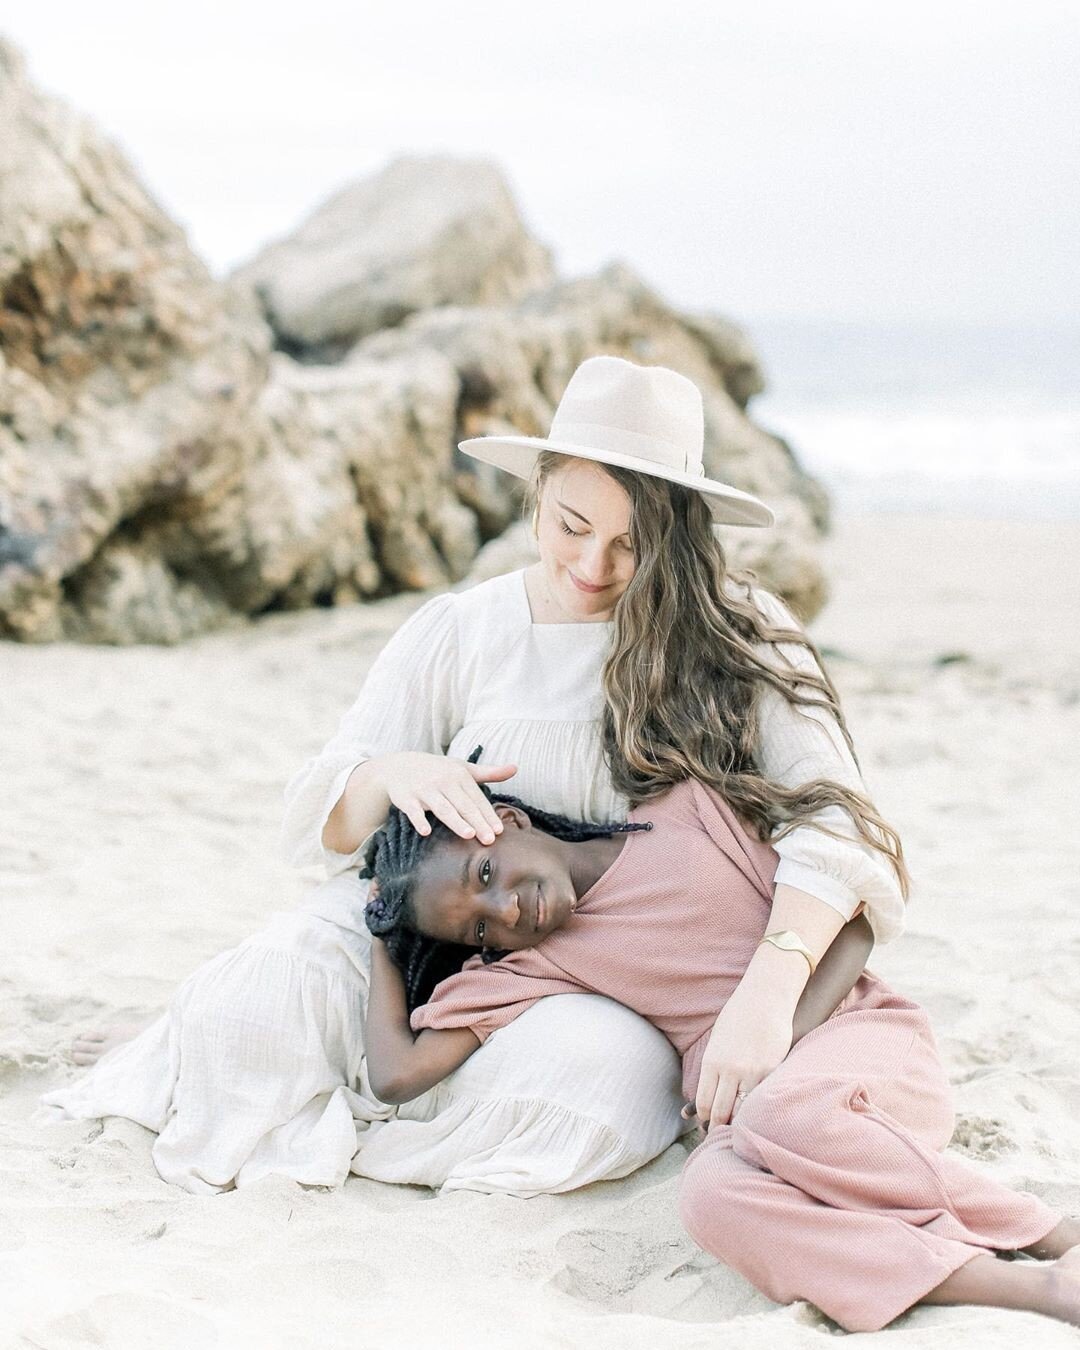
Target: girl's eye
{"points": [[481, 928], [485, 862]]}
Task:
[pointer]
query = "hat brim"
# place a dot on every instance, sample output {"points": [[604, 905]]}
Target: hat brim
{"points": [[517, 455]]}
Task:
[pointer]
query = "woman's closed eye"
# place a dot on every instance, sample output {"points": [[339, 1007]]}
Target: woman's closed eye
{"points": [[577, 534]]}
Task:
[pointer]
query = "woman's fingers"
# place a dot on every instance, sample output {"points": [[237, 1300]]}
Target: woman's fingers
{"points": [[448, 813], [414, 809], [722, 1106], [716, 1102], [484, 773], [478, 811], [453, 797], [730, 1096], [462, 816], [706, 1090]]}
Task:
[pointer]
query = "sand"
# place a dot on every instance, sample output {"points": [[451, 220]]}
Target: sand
{"points": [[138, 836]]}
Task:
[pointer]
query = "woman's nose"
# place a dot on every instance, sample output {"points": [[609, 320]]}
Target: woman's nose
{"points": [[593, 568]]}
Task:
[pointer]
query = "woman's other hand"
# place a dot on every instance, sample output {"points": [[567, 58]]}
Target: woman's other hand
{"points": [[746, 1044], [417, 782], [755, 1029]]}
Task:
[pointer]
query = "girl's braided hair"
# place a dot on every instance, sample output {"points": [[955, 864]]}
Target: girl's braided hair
{"points": [[392, 860]]}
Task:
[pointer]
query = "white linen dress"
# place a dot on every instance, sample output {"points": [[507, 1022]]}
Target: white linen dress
{"points": [[258, 1065]]}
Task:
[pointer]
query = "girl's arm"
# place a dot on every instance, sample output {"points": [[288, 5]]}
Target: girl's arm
{"points": [[837, 972], [402, 1065]]}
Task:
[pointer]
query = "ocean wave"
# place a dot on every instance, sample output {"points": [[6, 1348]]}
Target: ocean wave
{"points": [[999, 463]]}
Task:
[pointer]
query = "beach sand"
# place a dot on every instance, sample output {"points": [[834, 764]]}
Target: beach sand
{"points": [[138, 836]]}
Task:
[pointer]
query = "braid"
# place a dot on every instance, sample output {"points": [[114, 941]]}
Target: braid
{"points": [[392, 859], [562, 827]]}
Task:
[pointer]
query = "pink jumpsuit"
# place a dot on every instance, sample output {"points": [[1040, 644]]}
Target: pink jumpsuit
{"points": [[831, 1183]]}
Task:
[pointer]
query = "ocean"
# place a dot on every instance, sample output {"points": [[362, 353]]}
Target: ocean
{"points": [[949, 419]]}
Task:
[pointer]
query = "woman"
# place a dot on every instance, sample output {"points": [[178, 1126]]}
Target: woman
{"points": [[624, 660]]}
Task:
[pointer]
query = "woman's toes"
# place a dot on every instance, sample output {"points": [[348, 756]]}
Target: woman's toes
{"points": [[89, 1047]]}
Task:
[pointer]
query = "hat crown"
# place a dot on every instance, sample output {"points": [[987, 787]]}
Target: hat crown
{"points": [[645, 411]]}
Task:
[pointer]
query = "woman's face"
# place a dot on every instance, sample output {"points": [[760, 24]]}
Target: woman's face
{"points": [[506, 895], [583, 531]]}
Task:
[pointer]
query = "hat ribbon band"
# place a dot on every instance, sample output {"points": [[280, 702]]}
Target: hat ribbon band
{"points": [[622, 441]]}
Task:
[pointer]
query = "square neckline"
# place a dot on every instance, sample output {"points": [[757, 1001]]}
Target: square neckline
{"points": [[604, 625]]}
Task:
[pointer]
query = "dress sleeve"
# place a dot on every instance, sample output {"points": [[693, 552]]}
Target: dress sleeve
{"points": [[797, 744], [485, 998], [411, 700]]}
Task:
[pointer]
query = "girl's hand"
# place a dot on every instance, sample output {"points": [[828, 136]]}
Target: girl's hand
{"points": [[744, 1047], [417, 782]]}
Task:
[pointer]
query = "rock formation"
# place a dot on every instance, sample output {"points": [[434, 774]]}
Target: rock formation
{"points": [[428, 230], [177, 452]]}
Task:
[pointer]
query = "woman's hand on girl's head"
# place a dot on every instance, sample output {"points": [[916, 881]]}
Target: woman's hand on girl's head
{"points": [[417, 782], [744, 1047]]}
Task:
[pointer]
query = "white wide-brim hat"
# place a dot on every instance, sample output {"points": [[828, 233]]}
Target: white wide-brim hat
{"points": [[647, 418]]}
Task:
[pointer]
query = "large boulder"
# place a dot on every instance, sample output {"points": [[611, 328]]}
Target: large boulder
{"points": [[162, 468], [731, 354], [123, 365], [514, 364], [427, 230], [165, 467]]}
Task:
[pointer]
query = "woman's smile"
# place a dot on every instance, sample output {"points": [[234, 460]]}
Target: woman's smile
{"points": [[584, 585]]}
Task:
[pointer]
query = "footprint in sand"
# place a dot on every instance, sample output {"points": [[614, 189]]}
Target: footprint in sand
{"points": [[604, 1266], [125, 1319], [672, 1278]]}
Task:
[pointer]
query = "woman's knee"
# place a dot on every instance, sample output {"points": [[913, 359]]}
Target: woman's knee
{"points": [[588, 1037], [590, 1055]]}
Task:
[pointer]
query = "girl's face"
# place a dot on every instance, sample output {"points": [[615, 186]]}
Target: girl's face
{"points": [[583, 532], [506, 895]]}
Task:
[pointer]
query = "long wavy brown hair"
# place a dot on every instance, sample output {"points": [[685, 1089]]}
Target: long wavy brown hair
{"points": [[682, 681]]}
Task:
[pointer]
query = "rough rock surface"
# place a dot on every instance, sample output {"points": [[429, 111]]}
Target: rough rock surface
{"points": [[123, 367], [164, 469], [427, 230]]}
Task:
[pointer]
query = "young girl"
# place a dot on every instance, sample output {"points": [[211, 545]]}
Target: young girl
{"points": [[829, 1183]]}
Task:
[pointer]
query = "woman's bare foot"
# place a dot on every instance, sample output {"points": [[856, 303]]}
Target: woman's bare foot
{"points": [[91, 1045], [1056, 1243]]}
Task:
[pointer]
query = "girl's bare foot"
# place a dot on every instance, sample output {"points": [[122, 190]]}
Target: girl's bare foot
{"points": [[91, 1045], [1064, 1280], [1053, 1290], [1057, 1242]]}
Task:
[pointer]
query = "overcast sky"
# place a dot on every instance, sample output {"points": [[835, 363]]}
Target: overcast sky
{"points": [[780, 159]]}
